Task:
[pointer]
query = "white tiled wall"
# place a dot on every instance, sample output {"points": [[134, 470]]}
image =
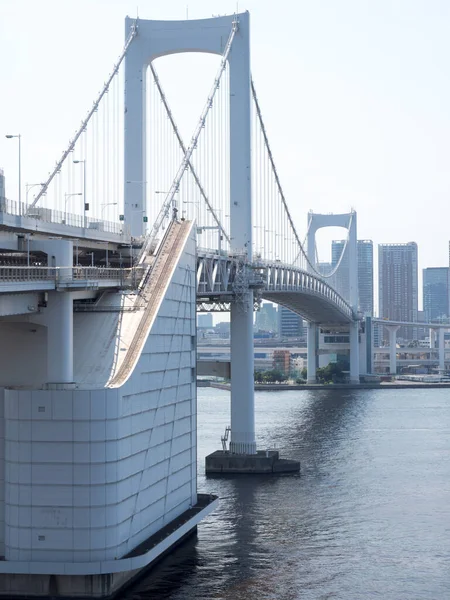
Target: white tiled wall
{"points": [[90, 474]]}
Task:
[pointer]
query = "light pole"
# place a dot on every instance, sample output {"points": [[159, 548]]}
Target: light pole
{"points": [[18, 136], [85, 205], [107, 204], [66, 197], [28, 187]]}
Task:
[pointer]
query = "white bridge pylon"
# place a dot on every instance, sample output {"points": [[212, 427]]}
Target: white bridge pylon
{"points": [[317, 221], [229, 37], [350, 249]]}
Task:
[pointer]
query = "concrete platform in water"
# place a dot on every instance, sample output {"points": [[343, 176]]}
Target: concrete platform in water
{"points": [[263, 462]]}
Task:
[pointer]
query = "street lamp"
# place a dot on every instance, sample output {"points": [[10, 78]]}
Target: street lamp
{"points": [[107, 204], [66, 197], [83, 162], [18, 136], [28, 187]]}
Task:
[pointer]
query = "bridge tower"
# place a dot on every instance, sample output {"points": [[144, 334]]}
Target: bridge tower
{"points": [[348, 221], [160, 38]]}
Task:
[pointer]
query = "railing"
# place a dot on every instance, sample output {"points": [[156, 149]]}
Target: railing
{"points": [[58, 217], [274, 276], [127, 277]]}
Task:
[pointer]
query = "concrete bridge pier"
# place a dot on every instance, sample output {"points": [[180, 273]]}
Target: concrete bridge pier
{"points": [[392, 331], [57, 316], [311, 353], [354, 352], [59, 321], [432, 338], [242, 380], [242, 455], [441, 349]]}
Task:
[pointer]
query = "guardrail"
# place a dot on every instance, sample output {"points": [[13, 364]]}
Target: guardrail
{"points": [[127, 277], [58, 217]]}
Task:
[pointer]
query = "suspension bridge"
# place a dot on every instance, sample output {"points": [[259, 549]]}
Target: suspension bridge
{"points": [[100, 277]]}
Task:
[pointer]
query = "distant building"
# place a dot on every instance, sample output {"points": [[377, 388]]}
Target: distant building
{"points": [[282, 361], [397, 285], [205, 321], [365, 273], [223, 328], [325, 267], [436, 293], [2, 186], [266, 318], [291, 324]]}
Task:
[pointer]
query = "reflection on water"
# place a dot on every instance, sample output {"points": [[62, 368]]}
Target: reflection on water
{"points": [[369, 516]]}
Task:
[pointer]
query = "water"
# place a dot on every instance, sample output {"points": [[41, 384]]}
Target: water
{"points": [[369, 517]]}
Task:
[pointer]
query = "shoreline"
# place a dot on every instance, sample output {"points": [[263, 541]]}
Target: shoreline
{"points": [[281, 387]]}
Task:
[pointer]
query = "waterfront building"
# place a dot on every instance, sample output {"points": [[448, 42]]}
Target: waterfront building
{"points": [[282, 361], [291, 324], [398, 286], [436, 293], [205, 321]]}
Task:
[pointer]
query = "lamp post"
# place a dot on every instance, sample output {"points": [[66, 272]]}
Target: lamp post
{"points": [[66, 197], [18, 136], [28, 187], [107, 204], [83, 162]]}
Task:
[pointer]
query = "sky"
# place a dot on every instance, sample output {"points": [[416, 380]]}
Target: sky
{"points": [[355, 96]]}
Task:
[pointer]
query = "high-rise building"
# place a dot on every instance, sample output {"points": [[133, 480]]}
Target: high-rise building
{"points": [[266, 318], [397, 285], [2, 186], [205, 321], [291, 324], [365, 273], [436, 292]]}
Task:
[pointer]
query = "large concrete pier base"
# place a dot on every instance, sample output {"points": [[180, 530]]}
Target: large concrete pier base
{"points": [[263, 462], [101, 579]]}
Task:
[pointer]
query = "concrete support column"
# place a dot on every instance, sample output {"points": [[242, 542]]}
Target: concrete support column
{"points": [[242, 382], [441, 349], [369, 345], [354, 352], [392, 330], [60, 338], [432, 338], [312, 352]]}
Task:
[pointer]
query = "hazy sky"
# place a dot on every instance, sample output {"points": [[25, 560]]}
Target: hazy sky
{"points": [[355, 95]]}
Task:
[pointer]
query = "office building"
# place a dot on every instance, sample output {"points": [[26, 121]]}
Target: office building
{"points": [[365, 273], [205, 321], [266, 318], [435, 293], [397, 285], [291, 324]]}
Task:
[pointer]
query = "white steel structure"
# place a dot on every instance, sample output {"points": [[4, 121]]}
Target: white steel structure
{"points": [[154, 40], [315, 222]]}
